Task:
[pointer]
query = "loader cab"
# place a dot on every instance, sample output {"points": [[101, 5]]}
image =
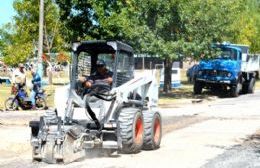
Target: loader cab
{"points": [[117, 56]]}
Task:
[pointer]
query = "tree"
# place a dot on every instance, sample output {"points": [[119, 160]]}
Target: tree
{"points": [[247, 25], [184, 27], [19, 38], [168, 29]]}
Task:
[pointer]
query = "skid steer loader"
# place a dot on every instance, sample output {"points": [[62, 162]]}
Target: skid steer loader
{"points": [[121, 117]]}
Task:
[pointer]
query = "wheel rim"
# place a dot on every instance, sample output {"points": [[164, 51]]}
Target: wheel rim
{"points": [[11, 105], [139, 131], [157, 130], [40, 104]]}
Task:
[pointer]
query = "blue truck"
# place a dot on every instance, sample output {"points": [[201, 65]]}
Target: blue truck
{"points": [[234, 70]]}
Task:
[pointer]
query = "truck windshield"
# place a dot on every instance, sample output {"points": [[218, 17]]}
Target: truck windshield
{"points": [[228, 53]]}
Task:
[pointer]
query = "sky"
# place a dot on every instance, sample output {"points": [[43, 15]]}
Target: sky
{"points": [[6, 11]]}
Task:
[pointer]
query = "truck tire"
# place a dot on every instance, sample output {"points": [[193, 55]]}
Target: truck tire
{"points": [[235, 90], [10, 105], [152, 130], [251, 86], [131, 130], [245, 88], [197, 87]]}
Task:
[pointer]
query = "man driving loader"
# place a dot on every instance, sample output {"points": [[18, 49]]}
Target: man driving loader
{"points": [[102, 75]]}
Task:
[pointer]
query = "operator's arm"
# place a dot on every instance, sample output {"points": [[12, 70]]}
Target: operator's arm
{"points": [[107, 78], [87, 81]]}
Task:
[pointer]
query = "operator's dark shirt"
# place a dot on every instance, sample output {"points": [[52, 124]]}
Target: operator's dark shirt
{"points": [[98, 76]]}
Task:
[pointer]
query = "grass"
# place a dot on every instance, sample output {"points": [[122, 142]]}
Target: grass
{"points": [[5, 92], [184, 94]]}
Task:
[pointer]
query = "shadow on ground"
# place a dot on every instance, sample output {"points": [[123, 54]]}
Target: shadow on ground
{"points": [[186, 92], [246, 154]]}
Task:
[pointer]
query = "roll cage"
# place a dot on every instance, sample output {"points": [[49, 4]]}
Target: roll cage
{"points": [[118, 55]]}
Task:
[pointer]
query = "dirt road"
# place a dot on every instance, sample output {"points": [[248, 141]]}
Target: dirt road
{"points": [[198, 135]]}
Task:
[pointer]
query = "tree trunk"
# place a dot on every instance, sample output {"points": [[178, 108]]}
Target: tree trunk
{"points": [[167, 75]]}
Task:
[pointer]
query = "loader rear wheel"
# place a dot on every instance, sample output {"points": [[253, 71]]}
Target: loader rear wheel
{"points": [[131, 130], [152, 130]]}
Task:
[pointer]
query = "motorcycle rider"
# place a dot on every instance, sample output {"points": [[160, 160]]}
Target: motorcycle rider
{"points": [[19, 76], [36, 81]]}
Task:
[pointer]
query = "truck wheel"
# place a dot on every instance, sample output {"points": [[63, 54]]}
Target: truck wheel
{"points": [[131, 130], [235, 90], [251, 86], [152, 130], [197, 87], [245, 87]]}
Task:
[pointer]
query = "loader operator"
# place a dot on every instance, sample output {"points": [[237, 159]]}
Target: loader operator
{"points": [[102, 75]]}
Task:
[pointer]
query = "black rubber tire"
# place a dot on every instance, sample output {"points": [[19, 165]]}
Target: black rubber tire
{"points": [[251, 86], [8, 104], [245, 88], [40, 103], [235, 90], [197, 87], [131, 130], [152, 130]]}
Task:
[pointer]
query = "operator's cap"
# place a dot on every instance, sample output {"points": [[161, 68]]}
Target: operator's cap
{"points": [[20, 65], [100, 63]]}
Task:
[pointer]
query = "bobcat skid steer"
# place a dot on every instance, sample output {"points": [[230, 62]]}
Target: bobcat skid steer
{"points": [[120, 117]]}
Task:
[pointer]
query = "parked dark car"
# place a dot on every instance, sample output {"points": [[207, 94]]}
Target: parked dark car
{"points": [[191, 73]]}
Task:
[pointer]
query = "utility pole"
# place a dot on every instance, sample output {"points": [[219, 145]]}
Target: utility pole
{"points": [[40, 42]]}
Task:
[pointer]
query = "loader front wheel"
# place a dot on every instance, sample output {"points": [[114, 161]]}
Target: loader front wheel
{"points": [[152, 130], [131, 130]]}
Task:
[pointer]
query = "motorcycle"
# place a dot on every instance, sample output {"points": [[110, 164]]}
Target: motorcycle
{"points": [[20, 99]]}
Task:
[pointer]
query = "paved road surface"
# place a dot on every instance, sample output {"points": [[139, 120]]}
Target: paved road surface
{"points": [[214, 131]]}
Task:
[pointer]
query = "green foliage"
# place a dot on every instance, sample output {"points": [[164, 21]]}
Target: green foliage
{"points": [[18, 39], [247, 25], [169, 29]]}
